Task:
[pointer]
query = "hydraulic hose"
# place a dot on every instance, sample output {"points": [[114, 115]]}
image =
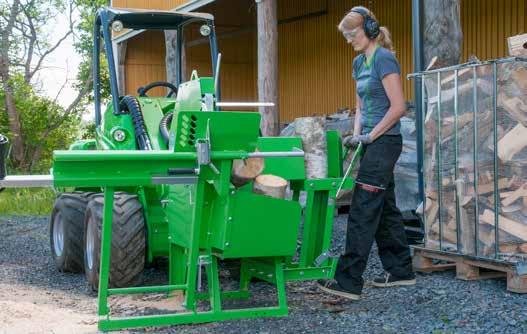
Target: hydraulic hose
{"points": [[163, 126], [130, 104]]}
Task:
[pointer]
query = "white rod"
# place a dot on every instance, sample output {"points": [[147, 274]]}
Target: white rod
{"points": [[26, 181], [276, 154], [244, 104]]}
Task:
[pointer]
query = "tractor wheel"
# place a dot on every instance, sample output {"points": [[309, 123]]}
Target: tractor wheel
{"points": [[128, 253], [67, 230]]}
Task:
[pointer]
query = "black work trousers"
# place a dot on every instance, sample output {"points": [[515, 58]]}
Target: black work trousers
{"points": [[374, 215]]}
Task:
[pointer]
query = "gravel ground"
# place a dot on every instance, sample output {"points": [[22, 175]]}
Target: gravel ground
{"points": [[35, 298]]}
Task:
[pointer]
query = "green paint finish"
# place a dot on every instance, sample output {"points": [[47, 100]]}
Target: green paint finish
{"points": [[88, 144], [335, 157], [152, 114], [227, 130], [289, 169], [254, 226], [208, 219]]}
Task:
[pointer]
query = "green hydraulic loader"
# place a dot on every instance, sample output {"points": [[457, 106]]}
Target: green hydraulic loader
{"points": [[155, 182]]}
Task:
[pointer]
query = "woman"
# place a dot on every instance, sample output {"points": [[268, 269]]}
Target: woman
{"points": [[373, 213]]}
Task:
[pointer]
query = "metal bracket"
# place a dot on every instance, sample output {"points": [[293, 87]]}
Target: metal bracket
{"points": [[203, 151], [322, 258], [203, 260]]}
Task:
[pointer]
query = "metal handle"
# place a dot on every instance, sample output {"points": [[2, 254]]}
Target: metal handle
{"points": [[350, 167]]}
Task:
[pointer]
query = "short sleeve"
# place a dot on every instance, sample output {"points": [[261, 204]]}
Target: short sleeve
{"points": [[386, 63]]}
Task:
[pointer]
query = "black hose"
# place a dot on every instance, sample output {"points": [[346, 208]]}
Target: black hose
{"points": [[130, 104], [163, 126]]}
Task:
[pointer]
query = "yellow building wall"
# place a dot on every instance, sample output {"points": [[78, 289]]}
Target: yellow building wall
{"points": [[315, 62]]}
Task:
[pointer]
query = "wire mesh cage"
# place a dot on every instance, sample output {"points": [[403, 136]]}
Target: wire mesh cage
{"points": [[474, 146]]}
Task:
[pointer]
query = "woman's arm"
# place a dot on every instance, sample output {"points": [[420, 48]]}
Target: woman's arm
{"points": [[357, 128], [394, 91]]}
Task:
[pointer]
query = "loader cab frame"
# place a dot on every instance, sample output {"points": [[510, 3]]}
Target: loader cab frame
{"points": [[140, 20]]}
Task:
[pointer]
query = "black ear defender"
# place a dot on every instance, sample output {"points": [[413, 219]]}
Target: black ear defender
{"points": [[371, 26]]}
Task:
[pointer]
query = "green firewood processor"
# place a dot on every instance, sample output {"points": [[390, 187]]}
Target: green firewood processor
{"points": [[156, 182]]}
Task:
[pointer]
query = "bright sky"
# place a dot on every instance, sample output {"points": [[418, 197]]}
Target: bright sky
{"points": [[61, 67]]}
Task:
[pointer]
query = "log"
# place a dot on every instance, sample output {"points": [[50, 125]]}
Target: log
{"points": [[523, 248], [513, 142], [442, 34], [510, 226], [313, 134], [246, 170], [513, 196], [267, 22], [484, 189], [448, 233], [270, 185], [516, 107], [466, 228], [517, 45]]}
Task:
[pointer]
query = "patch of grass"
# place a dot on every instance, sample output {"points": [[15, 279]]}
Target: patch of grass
{"points": [[33, 202]]}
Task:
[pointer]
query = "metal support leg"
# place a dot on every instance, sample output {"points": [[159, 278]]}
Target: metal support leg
{"points": [[193, 256], [106, 248]]}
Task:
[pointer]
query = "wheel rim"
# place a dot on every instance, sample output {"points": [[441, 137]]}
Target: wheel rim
{"points": [[90, 244], [58, 234]]}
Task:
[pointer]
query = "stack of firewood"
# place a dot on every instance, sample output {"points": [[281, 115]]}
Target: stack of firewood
{"points": [[453, 201]]}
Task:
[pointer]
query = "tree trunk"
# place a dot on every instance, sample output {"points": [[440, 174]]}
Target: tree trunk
{"points": [[268, 66], [442, 32], [171, 57]]}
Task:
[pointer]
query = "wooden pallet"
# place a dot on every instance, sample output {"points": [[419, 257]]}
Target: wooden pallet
{"points": [[468, 268]]}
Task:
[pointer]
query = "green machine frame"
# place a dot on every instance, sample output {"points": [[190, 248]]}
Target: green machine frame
{"points": [[273, 263], [193, 214]]}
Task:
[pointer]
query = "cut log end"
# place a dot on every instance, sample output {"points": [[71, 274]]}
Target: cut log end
{"points": [[270, 185], [244, 171]]}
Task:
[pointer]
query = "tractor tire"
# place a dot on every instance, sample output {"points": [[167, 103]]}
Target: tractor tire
{"points": [[128, 251], [66, 231]]}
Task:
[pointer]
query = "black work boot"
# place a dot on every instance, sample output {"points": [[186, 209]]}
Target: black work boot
{"points": [[389, 280], [334, 288]]}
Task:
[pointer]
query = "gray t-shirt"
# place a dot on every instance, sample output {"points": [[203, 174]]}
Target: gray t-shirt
{"points": [[375, 102]]}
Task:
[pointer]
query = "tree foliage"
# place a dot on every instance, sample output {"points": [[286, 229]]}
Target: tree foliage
{"points": [[36, 124]]}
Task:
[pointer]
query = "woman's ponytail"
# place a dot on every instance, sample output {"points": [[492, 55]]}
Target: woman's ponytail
{"points": [[385, 39]]}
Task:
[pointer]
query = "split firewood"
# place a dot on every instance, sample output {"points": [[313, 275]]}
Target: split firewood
{"points": [[447, 232], [515, 106], [431, 214], [510, 226], [313, 134], [447, 96], [270, 185], [509, 248], [511, 208], [460, 74], [513, 142], [522, 248], [513, 196], [517, 45], [483, 189], [246, 170]]}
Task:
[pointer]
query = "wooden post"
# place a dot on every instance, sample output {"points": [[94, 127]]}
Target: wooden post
{"points": [[171, 55], [268, 66], [442, 32]]}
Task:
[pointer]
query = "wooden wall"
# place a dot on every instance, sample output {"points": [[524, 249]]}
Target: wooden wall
{"points": [[314, 59], [148, 4]]}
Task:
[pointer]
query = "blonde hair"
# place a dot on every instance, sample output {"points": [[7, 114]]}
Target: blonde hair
{"points": [[353, 20]]}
